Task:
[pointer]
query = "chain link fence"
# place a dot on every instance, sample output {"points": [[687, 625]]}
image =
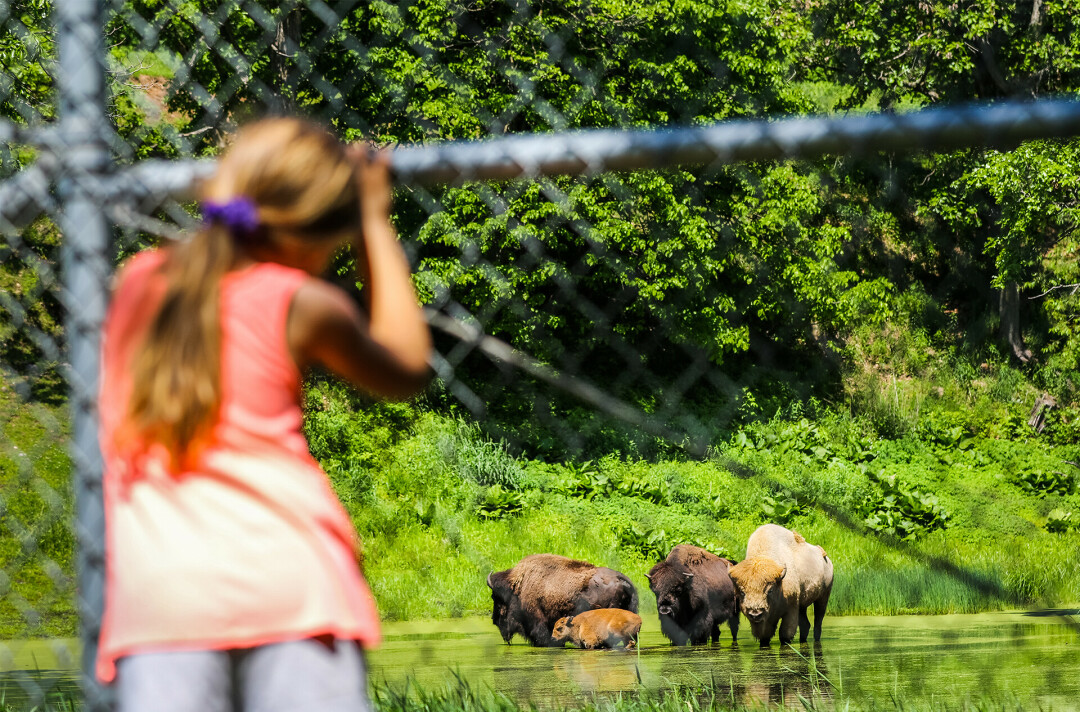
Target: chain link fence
{"points": [[616, 251]]}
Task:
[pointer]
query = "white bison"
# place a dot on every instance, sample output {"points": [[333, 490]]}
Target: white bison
{"points": [[780, 577]]}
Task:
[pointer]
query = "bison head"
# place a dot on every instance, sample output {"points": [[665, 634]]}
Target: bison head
{"points": [[757, 585], [670, 583], [505, 611], [563, 630]]}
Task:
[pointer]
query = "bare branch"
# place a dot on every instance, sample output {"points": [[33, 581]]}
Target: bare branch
{"points": [[1073, 287]]}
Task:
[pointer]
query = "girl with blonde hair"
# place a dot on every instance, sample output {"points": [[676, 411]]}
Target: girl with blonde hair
{"points": [[231, 572]]}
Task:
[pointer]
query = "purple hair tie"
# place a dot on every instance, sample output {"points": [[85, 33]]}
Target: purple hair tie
{"points": [[239, 215]]}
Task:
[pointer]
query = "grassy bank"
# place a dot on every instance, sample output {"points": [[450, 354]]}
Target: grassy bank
{"points": [[930, 492], [963, 509], [37, 542]]}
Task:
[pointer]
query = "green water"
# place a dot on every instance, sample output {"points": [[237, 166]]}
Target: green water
{"points": [[1034, 657]]}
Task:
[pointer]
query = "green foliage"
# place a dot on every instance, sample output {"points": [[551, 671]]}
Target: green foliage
{"points": [[652, 545], [480, 460], [37, 541], [783, 507], [498, 503], [1058, 521], [804, 438], [351, 436], [589, 481], [945, 429], [1042, 482], [31, 318], [903, 512], [27, 52]]}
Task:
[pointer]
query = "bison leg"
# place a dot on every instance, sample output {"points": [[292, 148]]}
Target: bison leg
{"points": [[715, 634], [541, 635], [788, 626], [819, 615], [733, 624], [674, 632], [767, 633], [804, 624]]}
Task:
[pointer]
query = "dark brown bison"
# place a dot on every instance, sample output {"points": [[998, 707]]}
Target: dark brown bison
{"points": [[542, 588], [601, 628], [694, 595]]}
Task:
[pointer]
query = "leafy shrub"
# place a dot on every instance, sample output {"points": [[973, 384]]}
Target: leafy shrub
{"points": [[480, 460], [1063, 426], [903, 512], [945, 429], [1059, 521], [1042, 483], [652, 545], [425, 512], [805, 438], [655, 544], [499, 503], [784, 506], [588, 481]]}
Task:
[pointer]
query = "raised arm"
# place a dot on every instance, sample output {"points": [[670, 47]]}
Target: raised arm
{"points": [[385, 352]]}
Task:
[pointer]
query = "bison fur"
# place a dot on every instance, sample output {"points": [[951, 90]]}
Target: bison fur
{"points": [[694, 596], [781, 577], [600, 628], [542, 588]]}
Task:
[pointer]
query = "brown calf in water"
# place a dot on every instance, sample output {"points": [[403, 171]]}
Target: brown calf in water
{"points": [[600, 628]]}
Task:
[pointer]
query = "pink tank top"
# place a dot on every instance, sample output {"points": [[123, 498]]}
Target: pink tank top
{"points": [[250, 546]]}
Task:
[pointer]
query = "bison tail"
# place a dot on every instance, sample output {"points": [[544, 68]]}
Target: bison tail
{"points": [[633, 600]]}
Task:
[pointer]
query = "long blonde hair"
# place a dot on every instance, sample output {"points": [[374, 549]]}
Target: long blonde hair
{"points": [[302, 184]]}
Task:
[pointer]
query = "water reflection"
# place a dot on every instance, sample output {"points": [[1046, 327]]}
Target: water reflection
{"points": [[916, 658], [920, 659], [34, 672]]}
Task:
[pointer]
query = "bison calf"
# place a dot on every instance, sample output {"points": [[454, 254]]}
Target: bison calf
{"points": [[542, 588], [780, 578], [601, 628], [694, 596]]}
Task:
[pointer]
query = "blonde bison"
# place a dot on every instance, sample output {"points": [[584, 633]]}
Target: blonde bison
{"points": [[781, 576], [600, 628]]}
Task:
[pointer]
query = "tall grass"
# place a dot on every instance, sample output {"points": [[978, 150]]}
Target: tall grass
{"points": [[710, 696]]}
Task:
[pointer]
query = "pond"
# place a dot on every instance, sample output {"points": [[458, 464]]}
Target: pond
{"points": [[1032, 656]]}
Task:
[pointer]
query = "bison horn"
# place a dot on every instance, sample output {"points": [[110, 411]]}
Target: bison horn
{"points": [[489, 581], [648, 576], [688, 575]]}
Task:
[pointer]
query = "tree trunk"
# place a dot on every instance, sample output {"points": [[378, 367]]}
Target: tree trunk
{"points": [[1009, 311], [283, 61], [1036, 15]]}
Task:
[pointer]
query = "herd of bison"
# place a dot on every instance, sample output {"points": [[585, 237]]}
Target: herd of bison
{"points": [[552, 600]]}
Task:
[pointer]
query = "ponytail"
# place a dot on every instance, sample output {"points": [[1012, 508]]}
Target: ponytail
{"points": [[176, 375], [278, 175]]}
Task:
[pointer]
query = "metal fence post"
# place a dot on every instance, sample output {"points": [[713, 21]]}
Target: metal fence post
{"points": [[84, 126]]}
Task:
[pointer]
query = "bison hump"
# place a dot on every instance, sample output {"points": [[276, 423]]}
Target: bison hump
{"points": [[690, 556], [536, 568]]}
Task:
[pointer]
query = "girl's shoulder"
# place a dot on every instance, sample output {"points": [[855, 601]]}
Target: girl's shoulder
{"points": [[139, 266]]}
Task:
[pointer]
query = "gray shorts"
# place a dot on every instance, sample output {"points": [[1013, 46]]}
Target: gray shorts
{"points": [[296, 675]]}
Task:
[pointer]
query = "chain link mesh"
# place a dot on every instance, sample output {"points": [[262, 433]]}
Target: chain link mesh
{"points": [[598, 280]]}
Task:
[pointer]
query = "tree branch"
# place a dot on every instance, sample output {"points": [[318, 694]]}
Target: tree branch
{"points": [[1073, 287]]}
